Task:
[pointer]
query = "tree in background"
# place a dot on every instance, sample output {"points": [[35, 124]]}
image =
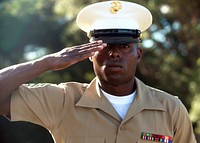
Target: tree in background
{"points": [[171, 61]]}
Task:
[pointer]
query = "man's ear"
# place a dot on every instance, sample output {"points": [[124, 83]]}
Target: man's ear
{"points": [[139, 53]]}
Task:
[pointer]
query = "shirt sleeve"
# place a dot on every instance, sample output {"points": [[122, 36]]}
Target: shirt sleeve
{"points": [[182, 126], [40, 103]]}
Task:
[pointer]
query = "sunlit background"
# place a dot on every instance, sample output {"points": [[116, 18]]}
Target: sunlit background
{"points": [[30, 29]]}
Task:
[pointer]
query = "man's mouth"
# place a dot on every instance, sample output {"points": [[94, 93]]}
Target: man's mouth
{"points": [[115, 67]]}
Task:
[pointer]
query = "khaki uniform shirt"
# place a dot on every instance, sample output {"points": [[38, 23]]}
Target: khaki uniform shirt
{"points": [[79, 113]]}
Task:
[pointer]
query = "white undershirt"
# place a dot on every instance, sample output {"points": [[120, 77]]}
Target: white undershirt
{"points": [[120, 103]]}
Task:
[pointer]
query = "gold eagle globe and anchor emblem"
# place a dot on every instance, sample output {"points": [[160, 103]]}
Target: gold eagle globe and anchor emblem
{"points": [[115, 7]]}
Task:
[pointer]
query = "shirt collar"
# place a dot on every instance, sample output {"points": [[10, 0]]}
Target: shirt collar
{"points": [[145, 99]]}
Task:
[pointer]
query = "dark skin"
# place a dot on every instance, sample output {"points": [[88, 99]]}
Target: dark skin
{"points": [[115, 66]]}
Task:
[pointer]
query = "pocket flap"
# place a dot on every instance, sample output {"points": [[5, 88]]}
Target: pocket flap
{"points": [[85, 140], [145, 141]]}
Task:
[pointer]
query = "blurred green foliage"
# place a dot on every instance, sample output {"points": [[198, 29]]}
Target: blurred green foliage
{"points": [[171, 61]]}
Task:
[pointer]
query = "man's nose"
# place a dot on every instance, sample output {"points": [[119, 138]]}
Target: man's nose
{"points": [[114, 52]]}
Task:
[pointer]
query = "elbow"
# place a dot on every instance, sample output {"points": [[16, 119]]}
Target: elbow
{"points": [[5, 106]]}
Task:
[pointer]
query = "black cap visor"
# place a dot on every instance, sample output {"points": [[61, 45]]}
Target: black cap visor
{"points": [[116, 36]]}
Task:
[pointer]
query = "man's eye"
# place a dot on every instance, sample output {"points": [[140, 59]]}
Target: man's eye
{"points": [[108, 46], [125, 46]]}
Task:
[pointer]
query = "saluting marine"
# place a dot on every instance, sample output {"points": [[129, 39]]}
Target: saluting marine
{"points": [[115, 107]]}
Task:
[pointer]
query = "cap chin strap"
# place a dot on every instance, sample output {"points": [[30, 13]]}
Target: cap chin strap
{"points": [[117, 40]]}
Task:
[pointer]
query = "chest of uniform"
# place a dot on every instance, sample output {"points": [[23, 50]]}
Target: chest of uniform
{"points": [[96, 126]]}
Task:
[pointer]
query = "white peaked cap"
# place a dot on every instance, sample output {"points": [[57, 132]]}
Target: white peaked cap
{"points": [[114, 15]]}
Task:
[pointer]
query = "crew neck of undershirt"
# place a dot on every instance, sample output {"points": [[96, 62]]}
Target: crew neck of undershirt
{"points": [[120, 103], [119, 99]]}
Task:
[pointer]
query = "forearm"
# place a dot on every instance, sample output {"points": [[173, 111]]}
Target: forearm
{"points": [[13, 76]]}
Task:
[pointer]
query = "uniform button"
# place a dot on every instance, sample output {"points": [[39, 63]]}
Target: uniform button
{"points": [[122, 128]]}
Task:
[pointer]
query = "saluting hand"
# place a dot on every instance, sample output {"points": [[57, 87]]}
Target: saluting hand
{"points": [[71, 55]]}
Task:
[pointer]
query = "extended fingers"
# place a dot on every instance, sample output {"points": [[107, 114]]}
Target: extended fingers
{"points": [[84, 50], [71, 55], [90, 43], [89, 48], [95, 44]]}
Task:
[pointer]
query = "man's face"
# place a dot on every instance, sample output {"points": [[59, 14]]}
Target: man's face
{"points": [[116, 64]]}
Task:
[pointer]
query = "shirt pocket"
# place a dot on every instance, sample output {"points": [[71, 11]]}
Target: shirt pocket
{"points": [[145, 141], [85, 140]]}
